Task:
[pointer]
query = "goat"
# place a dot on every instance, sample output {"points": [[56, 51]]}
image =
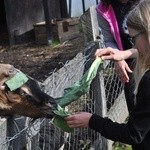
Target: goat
{"points": [[28, 100]]}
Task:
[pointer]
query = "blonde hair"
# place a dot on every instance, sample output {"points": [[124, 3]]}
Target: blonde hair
{"points": [[139, 19]]}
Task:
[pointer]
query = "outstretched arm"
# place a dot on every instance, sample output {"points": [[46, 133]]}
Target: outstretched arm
{"points": [[133, 132], [118, 56], [113, 54]]}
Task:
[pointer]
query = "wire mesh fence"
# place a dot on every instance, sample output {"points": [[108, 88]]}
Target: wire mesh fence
{"points": [[105, 97], [21, 133]]}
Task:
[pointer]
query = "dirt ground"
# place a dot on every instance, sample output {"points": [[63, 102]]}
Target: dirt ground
{"points": [[38, 61]]}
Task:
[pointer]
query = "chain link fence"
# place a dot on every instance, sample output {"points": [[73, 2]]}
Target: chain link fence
{"points": [[20, 133], [106, 98]]}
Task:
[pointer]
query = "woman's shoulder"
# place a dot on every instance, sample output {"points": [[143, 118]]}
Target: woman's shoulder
{"points": [[146, 76], [144, 85], [147, 73]]}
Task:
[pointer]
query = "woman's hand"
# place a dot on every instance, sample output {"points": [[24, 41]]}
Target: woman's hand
{"points": [[115, 54], [110, 53], [78, 120], [121, 68]]}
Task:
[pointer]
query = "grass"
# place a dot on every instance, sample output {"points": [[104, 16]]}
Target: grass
{"points": [[55, 43], [121, 146], [80, 27]]}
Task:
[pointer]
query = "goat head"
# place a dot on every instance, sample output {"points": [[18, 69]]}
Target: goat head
{"points": [[28, 100]]}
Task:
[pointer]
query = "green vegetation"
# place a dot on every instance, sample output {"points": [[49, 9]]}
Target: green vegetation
{"points": [[80, 27], [121, 146], [55, 43]]}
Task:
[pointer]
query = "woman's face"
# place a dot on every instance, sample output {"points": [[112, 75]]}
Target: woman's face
{"points": [[139, 40]]}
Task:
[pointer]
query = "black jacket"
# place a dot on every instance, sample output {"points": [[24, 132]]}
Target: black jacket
{"points": [[136, 131]]}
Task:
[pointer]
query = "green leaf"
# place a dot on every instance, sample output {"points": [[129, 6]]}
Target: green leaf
{"points": [[59, 120], [61, 112], [62, 124], [16, 81], [73, 93]]}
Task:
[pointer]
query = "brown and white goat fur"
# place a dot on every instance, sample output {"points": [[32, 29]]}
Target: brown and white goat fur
{"points": [[28, 100]]}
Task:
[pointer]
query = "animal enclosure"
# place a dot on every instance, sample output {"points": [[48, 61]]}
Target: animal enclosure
{"points": [[106, 97], [20, 133]]}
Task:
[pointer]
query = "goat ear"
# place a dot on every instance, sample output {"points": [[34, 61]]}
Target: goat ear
{"points": [[2, 87], [12, 97]]}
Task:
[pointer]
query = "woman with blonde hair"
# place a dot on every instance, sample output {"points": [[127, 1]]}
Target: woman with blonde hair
{"points": [[111, 17], [136, 131]]}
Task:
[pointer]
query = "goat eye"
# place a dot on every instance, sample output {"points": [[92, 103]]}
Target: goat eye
{"points": [[22, 93]]}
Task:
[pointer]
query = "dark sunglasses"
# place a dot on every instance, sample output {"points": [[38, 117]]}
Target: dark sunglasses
{"points": [[133, 38]]}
